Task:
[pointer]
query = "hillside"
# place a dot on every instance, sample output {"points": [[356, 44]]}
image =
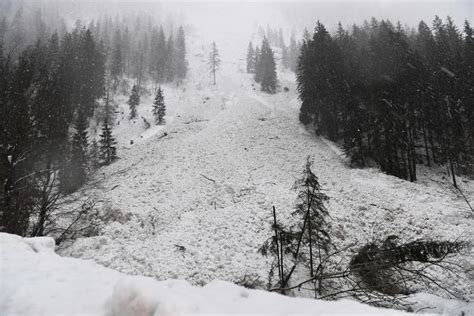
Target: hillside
{"points": [[192, 200]]}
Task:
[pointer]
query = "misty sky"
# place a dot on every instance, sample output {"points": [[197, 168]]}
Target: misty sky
{"points": [[232, 15]]}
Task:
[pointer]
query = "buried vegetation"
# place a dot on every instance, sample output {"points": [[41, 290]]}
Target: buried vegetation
{"points": [[382, 272]]}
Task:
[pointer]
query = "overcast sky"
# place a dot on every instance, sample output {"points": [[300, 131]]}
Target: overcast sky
{"points": [[300, 14], [231, 14]]}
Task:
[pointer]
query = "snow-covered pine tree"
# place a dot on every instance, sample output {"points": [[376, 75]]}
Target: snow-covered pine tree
{"points": [[250, 59], [214, 60], [159, 107], [134, 101], [107, 150]]}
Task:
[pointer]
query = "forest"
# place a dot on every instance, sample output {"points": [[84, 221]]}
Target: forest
{"points": [[392, 96], [52, 84], [236, 157]]}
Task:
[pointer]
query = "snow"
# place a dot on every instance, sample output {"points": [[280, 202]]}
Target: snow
{"points": [[196, 204], [192, 199], [36, 281]]}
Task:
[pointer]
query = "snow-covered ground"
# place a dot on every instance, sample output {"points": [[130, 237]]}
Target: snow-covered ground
{"points": [[36, 281], [192, 200]]}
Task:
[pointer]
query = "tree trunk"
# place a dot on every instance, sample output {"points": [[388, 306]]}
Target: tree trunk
{"points": [[428, 162], [280, 269]]}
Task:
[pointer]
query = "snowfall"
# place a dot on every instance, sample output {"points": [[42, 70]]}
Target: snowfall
{"points": [[186, 207]]}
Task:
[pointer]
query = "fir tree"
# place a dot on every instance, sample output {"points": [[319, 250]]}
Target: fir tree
{"points": [[293, 53], [171, 60], [116, 67], [285, 58], [281, 40], [214, 60], [267, 68], [161, 60], [250, 59], [314, 215], [78, 164], [134, 101], [159, 108], [91, 73], [94, 161], [258, 66], [180, 58], [107, 150], [158, 55]]}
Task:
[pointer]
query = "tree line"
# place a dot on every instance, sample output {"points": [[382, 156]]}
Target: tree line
{"points": [[136, 45], [391, 95], [47, 95], [289, 53], [50, 88]]}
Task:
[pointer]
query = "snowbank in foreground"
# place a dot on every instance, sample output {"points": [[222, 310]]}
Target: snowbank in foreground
{"points": [[144, 296], [36, 281]]}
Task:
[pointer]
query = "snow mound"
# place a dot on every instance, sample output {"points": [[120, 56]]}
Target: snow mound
{"points": [[36, 281], [41, 244], [145, 296]]}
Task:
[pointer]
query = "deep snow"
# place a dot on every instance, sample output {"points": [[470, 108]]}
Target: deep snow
{"points": [[192, 200], [36, 281]]}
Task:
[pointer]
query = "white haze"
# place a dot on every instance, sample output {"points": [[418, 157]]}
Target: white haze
{"points": [[223, 16]]}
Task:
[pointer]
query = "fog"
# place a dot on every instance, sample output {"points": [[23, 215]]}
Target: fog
{"points": [[230, 15]]}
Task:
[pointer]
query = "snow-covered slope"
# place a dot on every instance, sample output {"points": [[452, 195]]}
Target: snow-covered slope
{"points": [[36, 281], [192, 200]]}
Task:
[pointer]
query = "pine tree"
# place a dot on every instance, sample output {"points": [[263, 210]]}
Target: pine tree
{"points": [[250, 59], [134, 101], [314, 227], [107, 150], [214, 60], [293, 53], [161, 51], [94, 161], [180, 50], [285, 58], [307, 238], [116, 67], [158, 56], [79, 161], [281, 40], [139, 61], [258, 66], [171, 59], [91, 73], [267, 68], [159, 108]]}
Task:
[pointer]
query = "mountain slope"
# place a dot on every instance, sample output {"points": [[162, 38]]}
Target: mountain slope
{"points": [[192, 200]]}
